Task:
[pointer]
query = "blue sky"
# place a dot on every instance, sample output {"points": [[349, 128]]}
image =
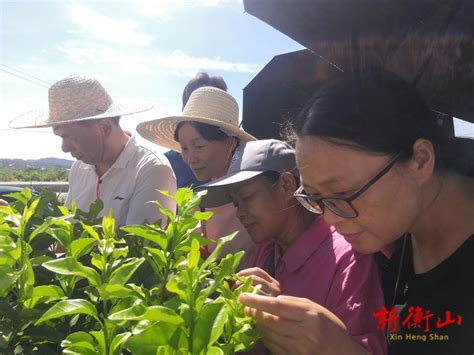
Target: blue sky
{"points": [[142, 52]]}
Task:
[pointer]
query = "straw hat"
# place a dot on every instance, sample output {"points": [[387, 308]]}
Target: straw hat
{"points": [[207, 105], [73, 99]]}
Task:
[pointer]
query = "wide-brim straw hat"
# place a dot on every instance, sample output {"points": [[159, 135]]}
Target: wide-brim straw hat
{"points": [[207, 105], [74, 99]]}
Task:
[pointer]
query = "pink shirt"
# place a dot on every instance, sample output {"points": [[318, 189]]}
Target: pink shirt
{"points": [[321, 266]]}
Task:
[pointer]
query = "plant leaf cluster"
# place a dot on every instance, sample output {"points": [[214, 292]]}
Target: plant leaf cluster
{"points": [[74, 283]]}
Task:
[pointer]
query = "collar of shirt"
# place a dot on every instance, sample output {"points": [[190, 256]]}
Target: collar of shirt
{"points": [[122, 160], [304, 246]]}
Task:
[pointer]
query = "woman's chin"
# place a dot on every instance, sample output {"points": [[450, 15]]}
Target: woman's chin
{"points": [[201, 175]]}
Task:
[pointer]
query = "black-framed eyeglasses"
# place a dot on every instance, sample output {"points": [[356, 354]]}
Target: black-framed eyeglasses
{"points": [[341, 206]]}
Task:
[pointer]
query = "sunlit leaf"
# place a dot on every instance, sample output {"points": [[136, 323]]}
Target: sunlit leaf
{"points": [[70, 266], [80, 247], [123, 273], [69, 307], [156, 236], [153, 313], [209, 325]]}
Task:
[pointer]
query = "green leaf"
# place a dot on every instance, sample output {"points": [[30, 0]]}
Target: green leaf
{"points": [[30, 275], [23, 197], [108, 292], [64, 211], [146, 342], [167, 213], [166, 193], [41, 229], [70, 266], [213, 351], [183, 195], [95, 208], [97, 261], [108, 225], [168, 350], [217, 251], [44, 294], [61, 235], [194, 255], [156, 236], [6, 240], [123, 273], [119, 253], [202, 216], [177, 284], [8, 277], [117, 343], [9, 253], [99, 336], [227, 267], [38, 260], [82, 340], [80, 247], [29, 211], [153, 313], [158, 256], [209, 325], [69, 307], [92, 232], [245, 337]]}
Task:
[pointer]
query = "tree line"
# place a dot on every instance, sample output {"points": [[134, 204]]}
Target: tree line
{"points": [[33, 174]]}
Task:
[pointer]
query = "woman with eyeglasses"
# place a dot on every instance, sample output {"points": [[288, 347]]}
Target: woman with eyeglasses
{"points": [[375, 161], [298, 254]]}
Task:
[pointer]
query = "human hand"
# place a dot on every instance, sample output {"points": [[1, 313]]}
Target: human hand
{"points": [[3, 202], [269, 286], [292, 325]]}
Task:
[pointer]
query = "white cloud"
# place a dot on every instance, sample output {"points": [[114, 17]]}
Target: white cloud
{"points": [[105, 28], [148, 62], [83, 52], [184, 65], [166, 10]]}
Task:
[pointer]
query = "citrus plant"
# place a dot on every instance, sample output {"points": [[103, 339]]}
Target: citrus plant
{"points": [[91, 288]]}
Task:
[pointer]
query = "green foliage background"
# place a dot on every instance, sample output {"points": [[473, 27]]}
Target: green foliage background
{"points": [[74, 283], [33, 174]]}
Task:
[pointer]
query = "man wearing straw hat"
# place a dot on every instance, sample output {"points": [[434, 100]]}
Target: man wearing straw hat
{"points": [[110, 164]]}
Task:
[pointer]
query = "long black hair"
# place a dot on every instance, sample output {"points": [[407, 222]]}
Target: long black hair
{"points": [[382, 113]]}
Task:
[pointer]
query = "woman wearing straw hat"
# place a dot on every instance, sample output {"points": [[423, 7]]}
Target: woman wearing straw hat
{"points": [[184, 175], [110, 164], [206, 134]]}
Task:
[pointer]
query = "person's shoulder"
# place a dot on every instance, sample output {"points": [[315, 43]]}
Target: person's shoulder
{"points": [[146, 157], [78, 168]]}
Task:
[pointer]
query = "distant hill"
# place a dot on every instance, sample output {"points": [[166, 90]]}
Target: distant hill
{"points": [[43, 163]]}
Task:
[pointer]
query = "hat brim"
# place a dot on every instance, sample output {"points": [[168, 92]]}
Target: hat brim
{"points": [[218, 191], [161, 131], [40, 118]]}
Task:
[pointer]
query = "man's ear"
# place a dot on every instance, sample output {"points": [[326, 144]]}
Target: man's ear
{"points": [[106, 126], [423, 160], [288, 184]]}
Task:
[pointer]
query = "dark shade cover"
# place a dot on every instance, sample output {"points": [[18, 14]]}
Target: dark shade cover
{"points": [[429, 43]]}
